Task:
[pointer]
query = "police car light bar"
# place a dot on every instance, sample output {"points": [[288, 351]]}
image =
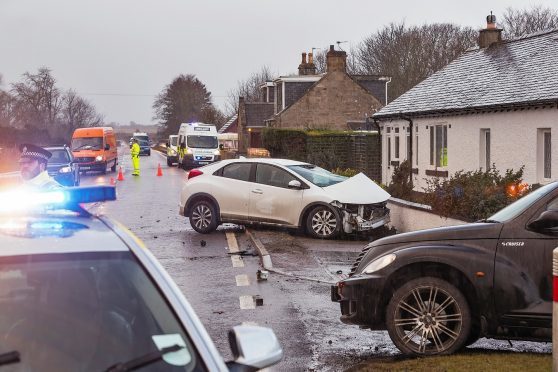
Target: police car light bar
{"points": [[68, 198]]}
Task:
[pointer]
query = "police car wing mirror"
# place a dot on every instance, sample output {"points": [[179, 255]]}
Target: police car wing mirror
{"points": [[168, 145], [221, 147], [253, 347], [546, 220]]}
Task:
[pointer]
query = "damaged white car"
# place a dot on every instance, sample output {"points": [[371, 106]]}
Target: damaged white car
{"points": [[284, 193]]}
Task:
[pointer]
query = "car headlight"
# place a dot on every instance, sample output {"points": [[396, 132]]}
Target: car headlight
{"points": [[216, 152], [379, 263], [65, 170], [99, 158], [172, 152], [189, 151]]}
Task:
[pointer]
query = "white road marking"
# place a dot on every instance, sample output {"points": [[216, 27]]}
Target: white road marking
{"points": [[231, 241], [247, 303], [242, 280], [237, 261]]}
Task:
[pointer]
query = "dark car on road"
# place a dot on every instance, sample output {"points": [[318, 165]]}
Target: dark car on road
{"points": [[62, 167], [438, 290]]}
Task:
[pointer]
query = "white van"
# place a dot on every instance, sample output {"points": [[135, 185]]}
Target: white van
{"points": [[197, 145], [172, 150]]}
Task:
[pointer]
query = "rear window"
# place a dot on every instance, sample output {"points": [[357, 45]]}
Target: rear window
{"points": [[237, 171]]}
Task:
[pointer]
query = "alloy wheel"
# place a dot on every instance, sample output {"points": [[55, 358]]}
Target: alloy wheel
{"points": [[201, 216], [324, 222], [428, 320]]}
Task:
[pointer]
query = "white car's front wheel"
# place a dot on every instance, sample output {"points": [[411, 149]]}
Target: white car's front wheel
{"points": [[323, 222], [203, 217]]}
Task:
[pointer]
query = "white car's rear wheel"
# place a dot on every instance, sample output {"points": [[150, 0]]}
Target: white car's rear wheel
{"points": [[203, 217], [323, 222]]}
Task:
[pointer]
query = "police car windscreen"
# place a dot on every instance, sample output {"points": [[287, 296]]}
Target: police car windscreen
{"points": [[142, 138], [202, 142], [59, 156], [87, 143], [85, 311]]}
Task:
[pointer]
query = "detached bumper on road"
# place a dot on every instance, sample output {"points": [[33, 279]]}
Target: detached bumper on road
{"points": [[360, 301]]}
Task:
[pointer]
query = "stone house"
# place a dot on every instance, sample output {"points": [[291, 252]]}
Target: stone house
{"points": [[333, 100], [497, 104]]}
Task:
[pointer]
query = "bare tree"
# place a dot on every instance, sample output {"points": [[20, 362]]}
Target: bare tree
{"points": [[411, 54], [6, 107], [521, 22], [185, 99], [77, 112], [248, 88], [37, 100]]}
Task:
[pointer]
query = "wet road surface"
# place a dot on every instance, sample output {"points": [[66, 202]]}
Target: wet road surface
{"points": [[220, 284]]}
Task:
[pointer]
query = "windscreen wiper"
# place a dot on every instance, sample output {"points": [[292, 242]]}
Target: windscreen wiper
{"points": [[488, 221], [79, 147], [9, 358], [144, 360]]}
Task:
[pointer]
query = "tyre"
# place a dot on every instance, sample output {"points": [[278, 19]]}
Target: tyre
{"points": [[77, 179], [104, 169], [169, 163], [113, 168], [203, 216], [428, 316], [149, 153], [323, 222]]}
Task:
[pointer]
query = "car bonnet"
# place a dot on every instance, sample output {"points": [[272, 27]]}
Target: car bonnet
{"points": [[358, 189]]}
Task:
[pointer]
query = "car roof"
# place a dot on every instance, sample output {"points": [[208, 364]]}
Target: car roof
{"points": [[57, 233], [276, 161]]}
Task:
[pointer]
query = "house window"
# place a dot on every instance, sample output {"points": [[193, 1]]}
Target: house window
{"points": [[544, 154], [396, 147], [416, 151], [485, 149], [389, 150], [439, 145]]}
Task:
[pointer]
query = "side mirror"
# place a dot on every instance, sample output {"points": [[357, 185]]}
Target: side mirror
{"points": [[221, 147], [294, 184], [253, 348], [168, 145], [107, 147], [547, 220]]}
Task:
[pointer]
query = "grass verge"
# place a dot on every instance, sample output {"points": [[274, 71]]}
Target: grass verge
{"points": [[482, 361]]}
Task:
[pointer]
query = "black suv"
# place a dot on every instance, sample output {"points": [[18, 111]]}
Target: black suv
{"points": [[438, 290], [62, 167]]}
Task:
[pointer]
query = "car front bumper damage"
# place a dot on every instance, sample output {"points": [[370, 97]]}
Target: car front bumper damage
{"points": [[363, 217]]}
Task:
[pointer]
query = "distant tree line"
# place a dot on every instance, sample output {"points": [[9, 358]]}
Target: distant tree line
{"points": [[36, 110]]}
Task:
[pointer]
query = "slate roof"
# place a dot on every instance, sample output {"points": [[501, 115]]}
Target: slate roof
{"points": [[374, 84], [226, 126], [257, 113], [517, 72]]}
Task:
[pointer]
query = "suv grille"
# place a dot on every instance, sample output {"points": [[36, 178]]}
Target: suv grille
{"points": [[357, 261]]}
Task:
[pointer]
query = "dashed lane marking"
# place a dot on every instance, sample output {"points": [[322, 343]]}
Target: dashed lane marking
{"points": [[247, 303], [242, 280], [237, 261], [231, 241]]}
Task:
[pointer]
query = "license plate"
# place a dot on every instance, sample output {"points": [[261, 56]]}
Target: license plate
{"points": [[203, 162], [84, 168]]}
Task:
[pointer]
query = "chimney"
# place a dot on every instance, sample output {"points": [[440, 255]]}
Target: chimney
{"points": [[491, 34], [336, 60], [307, 68]]}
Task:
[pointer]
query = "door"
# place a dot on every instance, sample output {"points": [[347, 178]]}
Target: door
{"points": [[232, 191], [523, 269], [271, 199]]}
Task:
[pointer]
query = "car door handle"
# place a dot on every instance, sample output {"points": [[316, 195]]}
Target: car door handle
{"points": [[257, 191]]}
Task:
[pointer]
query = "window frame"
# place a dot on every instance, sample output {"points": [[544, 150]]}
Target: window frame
{"points": [[251, 174]]}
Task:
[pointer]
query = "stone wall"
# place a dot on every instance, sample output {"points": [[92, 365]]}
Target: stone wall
{"points": [[407, 216], [332, 102]]}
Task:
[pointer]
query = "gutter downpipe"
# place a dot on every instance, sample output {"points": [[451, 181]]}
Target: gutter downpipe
{"points": [[387, 82], [377, 125], [410, 153]]}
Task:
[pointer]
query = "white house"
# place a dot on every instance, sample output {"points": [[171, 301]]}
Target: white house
{"points": [[495, 104]]}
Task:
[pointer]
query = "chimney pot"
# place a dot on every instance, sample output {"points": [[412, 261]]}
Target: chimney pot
{"points": [[303, 58], [331, 48], [491, 34], [310, 58]]}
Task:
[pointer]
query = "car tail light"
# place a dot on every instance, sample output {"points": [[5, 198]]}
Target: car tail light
{"points": [[194, 173]]}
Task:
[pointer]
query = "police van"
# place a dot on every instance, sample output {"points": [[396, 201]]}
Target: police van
{"points": [[197, 145]]}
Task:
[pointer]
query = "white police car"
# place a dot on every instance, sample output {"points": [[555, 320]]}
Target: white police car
{"points": [[81, 293]]}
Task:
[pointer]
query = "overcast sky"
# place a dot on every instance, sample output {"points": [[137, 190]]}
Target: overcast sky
{"points": [[120, 53]]}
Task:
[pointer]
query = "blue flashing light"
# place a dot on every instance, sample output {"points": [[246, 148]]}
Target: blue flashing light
{"points": [[68, 198]]}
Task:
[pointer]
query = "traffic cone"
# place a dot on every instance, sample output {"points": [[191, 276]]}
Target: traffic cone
{"points": [[159, 171], [120, 175], [112, 182]]}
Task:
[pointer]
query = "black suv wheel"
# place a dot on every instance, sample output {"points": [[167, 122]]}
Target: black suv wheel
{"points": [[203, 217], [428, 316], [323, 222]]}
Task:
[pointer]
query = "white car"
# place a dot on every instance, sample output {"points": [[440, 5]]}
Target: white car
{"points": [[284, 193]]}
